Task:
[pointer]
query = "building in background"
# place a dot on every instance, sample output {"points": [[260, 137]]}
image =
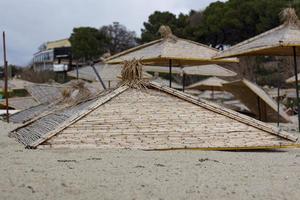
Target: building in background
{"points": [[53, 56]]}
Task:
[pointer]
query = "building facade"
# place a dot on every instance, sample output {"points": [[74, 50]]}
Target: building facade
{"points": [[53, 56]]}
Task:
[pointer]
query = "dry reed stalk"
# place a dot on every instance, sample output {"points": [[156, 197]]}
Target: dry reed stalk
{"points": [[132, 74]]}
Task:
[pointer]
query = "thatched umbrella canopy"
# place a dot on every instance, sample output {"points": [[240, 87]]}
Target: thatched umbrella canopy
{"points": [[257, 100], [280, 41], [212, 83], [201, 70], [170, 51]]}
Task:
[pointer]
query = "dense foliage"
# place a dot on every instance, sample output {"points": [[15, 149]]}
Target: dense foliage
{"points": [[221, 23], [88, 43], [119, 37]]}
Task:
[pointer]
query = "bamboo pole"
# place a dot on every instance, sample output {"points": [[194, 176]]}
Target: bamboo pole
{"points": [[170, 72], [5, 77], [98, 76], [259, 108], [183, 81], [278, 95], [297, 86], [77, 72]]}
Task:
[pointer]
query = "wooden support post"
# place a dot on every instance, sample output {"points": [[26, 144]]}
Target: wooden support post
{"points": [[6, 78], [278, 95], [170, 72], [297, 86], [259, 108], [183, 81], [77, 72], [98, 76]]}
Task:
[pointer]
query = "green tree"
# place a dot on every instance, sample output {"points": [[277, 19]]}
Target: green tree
{"points": [[221, 23], [88, 43], [234, 21], [150, 30], [120, 38]]}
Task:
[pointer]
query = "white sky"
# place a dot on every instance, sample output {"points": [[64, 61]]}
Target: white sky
{"points": [[29, 23]]}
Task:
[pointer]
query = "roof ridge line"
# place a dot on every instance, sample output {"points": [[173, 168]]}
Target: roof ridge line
{"points": [[79, 115], [226, 112], [106, 61], [217, 56]]}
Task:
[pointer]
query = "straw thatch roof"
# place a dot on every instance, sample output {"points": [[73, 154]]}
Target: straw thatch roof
{"points": [[159, 52], [64, 95], [278, 41], [292, 79], [202, 70], [45, 93], [257, 100], [151, 119], [20, 103], [212, 83], [30, 113], [209, 70]]}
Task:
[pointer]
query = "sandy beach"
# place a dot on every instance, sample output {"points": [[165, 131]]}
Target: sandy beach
{"points": [[125, 174]]}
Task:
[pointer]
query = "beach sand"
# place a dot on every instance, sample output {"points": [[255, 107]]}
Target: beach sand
{"points": [[126, 174]]}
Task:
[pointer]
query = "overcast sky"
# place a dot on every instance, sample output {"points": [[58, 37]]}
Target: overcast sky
{"points": [[29, 23]]}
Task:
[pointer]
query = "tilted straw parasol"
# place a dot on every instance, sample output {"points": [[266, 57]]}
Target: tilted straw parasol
{"points": [[212, 83], [257, 100], [170, 51], [281, 41]]}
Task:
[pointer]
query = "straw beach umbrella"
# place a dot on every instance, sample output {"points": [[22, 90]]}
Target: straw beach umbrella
{"points": [[252, 95], [212, 83], [170, 51], [280, 41], [209, 70], [201, 70]]}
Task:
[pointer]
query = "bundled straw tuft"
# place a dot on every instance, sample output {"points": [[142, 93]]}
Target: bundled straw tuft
{"points": [[289, 16], [166, 32], [132, 74], [76, 92]]}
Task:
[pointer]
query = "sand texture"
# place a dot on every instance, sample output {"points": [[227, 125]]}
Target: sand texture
{"points": [[126, 174]]}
